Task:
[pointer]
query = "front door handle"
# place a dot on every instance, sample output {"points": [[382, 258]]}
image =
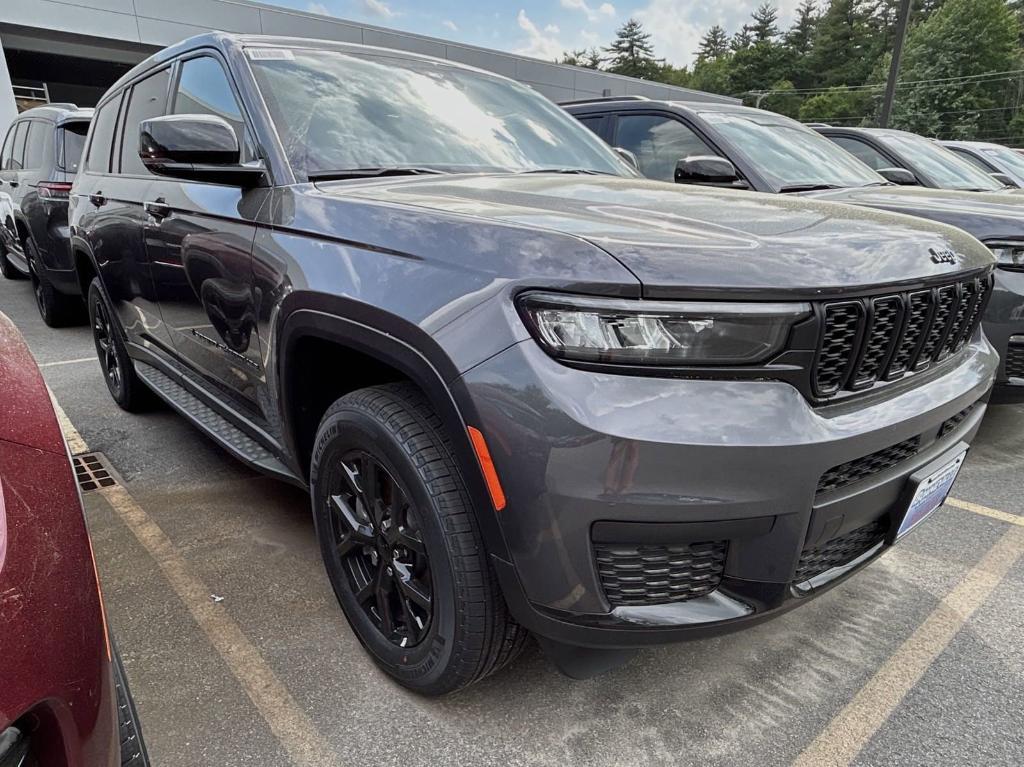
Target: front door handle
{"points": [[97, 199], [13, 183], [157, 208]]}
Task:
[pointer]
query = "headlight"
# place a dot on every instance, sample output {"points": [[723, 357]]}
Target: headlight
{"points": [[658, 333], [1010, 255]]}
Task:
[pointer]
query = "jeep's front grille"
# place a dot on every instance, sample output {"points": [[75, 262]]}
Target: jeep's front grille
{"points": [[860, 468], [643, 574], [839, 551], [1015, 360], [885, 338]]}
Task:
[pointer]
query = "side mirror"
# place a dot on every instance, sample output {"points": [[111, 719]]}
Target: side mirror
{"points": [[900, 176], [709, 170], [628, 157], [195, 148], [1003, 179]]}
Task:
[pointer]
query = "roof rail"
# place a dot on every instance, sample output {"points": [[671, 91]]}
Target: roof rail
{"points": [[817, 125], [600, 99]]}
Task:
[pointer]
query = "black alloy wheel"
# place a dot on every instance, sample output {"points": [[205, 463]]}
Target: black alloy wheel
{"points": [[103, 335], [379, 543]]}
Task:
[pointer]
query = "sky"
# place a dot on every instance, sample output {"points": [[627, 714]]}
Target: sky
{"points": [[546, 28]]}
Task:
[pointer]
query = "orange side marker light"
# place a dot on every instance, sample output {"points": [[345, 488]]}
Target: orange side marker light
{"points": [[483, 455]]}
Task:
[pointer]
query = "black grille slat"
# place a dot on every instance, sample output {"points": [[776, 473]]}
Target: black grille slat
{"points": [[861, 342], [1015, 360], [839, 551], [860, 468], [641, 574], [953, 423], [886, 316], [842, 330]]}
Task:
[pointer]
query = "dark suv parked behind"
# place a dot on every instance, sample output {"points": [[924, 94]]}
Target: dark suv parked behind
{"points": [[527, 389], [39, 161]]}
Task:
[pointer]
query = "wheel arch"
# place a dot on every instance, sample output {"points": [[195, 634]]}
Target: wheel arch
{"points": [[368, 343]]}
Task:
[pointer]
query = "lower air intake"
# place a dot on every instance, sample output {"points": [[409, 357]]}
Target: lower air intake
{"points": [[839, 551], [642, 574]]}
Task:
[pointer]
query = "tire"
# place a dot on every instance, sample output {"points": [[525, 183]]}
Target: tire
{"points": [[426, 543], [7, 268], [133, 747], [123, 384], [56, 309]]}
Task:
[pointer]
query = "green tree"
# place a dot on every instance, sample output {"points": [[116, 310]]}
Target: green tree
{"points": [[632, 54], [836, 105], [582, 57], [783, 99], [845, 47], [800, 42], [742, 39], [713, 45], [713, 75], [765, 27], [962, 39]]}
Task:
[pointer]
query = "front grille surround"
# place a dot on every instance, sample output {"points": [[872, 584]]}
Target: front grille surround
{"points": [[864, 341], [1015, 360], [655, 574]]}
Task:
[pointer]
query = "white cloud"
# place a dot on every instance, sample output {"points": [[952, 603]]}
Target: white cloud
{"points": [[318, 8], [379, 8], [605, 9], [552, 29], [676, 26], [449, 24], [538, 44]]}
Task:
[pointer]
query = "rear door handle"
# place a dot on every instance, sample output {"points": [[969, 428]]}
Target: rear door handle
{"points": [[13, 183], [97, 199], [157, 208]]}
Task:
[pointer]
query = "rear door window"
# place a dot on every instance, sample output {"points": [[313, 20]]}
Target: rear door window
{"points": [[17, 158], [659, 143], [972, 158], [148, 99], [5, 157], [98, 159], [70, 143]]}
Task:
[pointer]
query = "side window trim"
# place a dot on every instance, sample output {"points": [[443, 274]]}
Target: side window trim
{"points": [[87, 156], [975, 159]]}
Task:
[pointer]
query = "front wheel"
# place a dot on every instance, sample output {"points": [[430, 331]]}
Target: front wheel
{"points": [[123, 384], [401, 544]]}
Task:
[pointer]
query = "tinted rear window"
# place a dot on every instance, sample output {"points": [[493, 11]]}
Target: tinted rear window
{"points": [[71, 142], [39, 146]]}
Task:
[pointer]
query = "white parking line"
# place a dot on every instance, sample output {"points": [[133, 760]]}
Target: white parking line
{"points": [[851, 729], [290, 725], [66, 362]]}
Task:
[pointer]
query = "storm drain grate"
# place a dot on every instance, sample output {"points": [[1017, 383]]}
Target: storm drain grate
{"points": [[92, 471]]}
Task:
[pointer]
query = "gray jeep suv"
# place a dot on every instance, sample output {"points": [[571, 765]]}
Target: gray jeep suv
{"points": [[528, 390]]}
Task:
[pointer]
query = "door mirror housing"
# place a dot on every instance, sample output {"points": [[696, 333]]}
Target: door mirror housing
{"points": [[196, 148], [628, 157], [900, 176], [1003, 179], [708, 170]]}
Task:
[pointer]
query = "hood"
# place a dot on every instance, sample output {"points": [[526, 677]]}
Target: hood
{"points": [[985, 215], [679, 241]]}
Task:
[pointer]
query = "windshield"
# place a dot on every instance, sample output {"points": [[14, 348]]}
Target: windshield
{"points": [[789, 154], [946, 169], [1012, 160], [70, 145], [336, 111]]}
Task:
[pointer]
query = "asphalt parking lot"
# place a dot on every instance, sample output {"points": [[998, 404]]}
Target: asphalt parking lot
{"points": [[238, 655]]}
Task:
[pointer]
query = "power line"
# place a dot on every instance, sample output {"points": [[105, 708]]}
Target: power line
{"points": [[983, 77]]}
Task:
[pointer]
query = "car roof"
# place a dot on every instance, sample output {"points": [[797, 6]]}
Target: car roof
{"points": [[225, 41], [976, 144], [52, 112], [642, 102]]}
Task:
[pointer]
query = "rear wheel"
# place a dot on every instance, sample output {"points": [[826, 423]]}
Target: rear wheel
{"points": [[401, 544], [124, 385], [56, 309]]}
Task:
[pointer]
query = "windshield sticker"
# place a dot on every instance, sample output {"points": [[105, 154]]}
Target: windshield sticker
{"points": [[269, 54]]}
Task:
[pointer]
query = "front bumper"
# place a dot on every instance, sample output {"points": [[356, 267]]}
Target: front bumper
{"points": [[584, 457], [1004, 327]]}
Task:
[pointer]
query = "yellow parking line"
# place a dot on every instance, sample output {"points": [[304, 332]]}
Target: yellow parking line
{"points": [[845, 736], [290, 725], [977, 508]]}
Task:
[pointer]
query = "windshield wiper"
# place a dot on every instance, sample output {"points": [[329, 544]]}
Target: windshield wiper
{"points": [[808, 187], [394, 170], [581, 171]]}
